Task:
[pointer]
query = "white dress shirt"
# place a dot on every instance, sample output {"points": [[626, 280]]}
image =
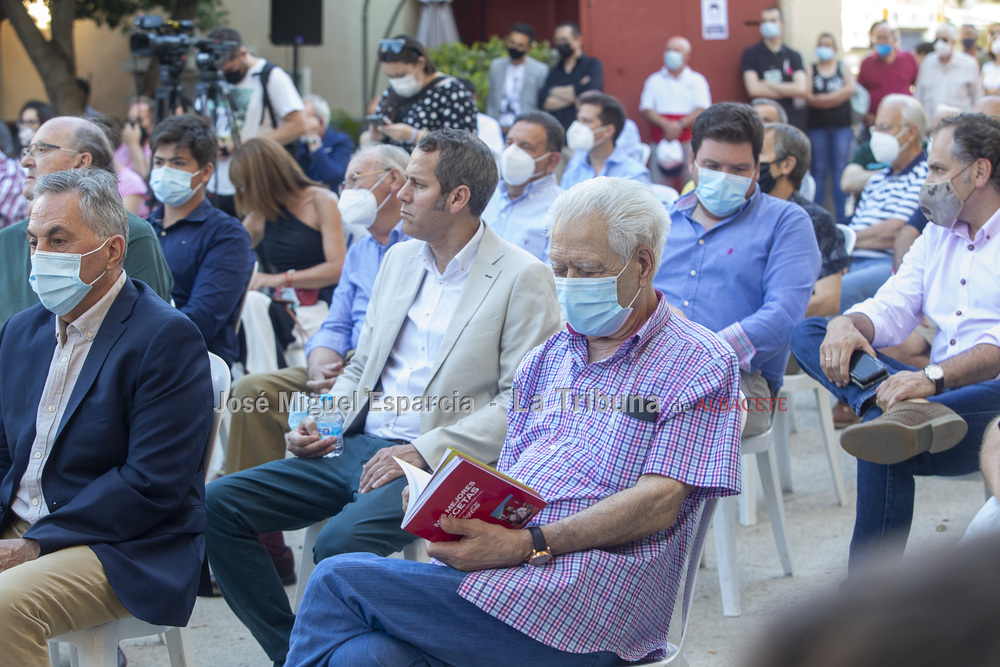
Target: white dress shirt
{"points": [[950, 278], [73, 342], [407, 371]]}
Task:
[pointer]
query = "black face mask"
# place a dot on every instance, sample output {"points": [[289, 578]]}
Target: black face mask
{"points": [[766, 180], [235, 76], [515, 54], [565, 50], [969, 42]]}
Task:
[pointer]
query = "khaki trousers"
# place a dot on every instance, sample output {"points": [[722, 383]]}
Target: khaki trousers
{"points": [[258, 436], [55, 593], [753, 385]]}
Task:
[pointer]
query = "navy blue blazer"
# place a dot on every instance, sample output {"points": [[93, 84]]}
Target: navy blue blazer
{"points": [[124, 476]]}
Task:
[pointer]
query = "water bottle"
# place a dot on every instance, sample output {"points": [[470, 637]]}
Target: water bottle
{"points": [[298, 410], [330, 422]]}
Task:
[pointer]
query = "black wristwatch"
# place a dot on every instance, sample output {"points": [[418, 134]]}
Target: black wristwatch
{"points": [[935, 374], [541, 554]]}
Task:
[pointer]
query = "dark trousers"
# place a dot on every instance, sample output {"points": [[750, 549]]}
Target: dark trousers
{"points": [[288, 495], [885, 492]]}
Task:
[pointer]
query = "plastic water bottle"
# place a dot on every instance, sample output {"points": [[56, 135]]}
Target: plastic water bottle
{"points": [[299, 410], [330, 422]]}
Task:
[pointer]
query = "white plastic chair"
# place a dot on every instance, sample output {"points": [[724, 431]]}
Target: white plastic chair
{"points": [[850, 237], [724, 522], [243, 299], [644, 151], [666, 194], [98, 646], [415, 551]]}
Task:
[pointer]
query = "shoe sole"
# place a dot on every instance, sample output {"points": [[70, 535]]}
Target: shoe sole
{"points": [[889, 442]]}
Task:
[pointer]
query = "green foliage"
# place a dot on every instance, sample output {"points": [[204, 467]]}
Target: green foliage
{"points": [[119, 13], [473, 62], [344, 122]]}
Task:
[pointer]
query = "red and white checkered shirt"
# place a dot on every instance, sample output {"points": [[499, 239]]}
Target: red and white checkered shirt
{"points": [[12, 202], [570, 436]]}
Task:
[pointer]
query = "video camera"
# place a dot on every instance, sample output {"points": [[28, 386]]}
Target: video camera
{"points": [[212, 54], [161, 38]]}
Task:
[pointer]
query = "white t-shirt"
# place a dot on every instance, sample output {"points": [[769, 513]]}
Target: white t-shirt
{"points": [[666, 95], [248, 96]]}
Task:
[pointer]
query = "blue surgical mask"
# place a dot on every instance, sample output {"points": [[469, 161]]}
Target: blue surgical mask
{"points": [[172, 186], [883, 50], [824, 53], [55, 278], [770, 29], [674, 60], [590, 305], [721, 193]]}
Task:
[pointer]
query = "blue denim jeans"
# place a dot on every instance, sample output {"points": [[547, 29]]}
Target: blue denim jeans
{"points": [[360, 609], [831, 149], [287, 495], [885, 492], [863, 280]]}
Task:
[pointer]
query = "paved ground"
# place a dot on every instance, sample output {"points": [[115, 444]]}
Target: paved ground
{"points": [[819, 531]]}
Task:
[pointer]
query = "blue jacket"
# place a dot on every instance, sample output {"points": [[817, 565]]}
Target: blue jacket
{"points": [[124, 476]]}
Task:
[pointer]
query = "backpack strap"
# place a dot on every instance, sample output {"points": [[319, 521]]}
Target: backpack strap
{"points": [[265, 75]]}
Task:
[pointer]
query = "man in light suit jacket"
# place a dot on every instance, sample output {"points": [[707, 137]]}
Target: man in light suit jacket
{"points": [[102, 430], [452, 314], [515, 81]]}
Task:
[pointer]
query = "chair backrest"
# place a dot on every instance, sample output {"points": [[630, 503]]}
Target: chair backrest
{"points": [[220, 392], [850, 237], [742, 413], [645, 150], [707, 511], [243, 299], [666, 194]]}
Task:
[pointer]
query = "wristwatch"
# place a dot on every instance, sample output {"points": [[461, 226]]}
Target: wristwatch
{"points": [[541, 554], [935, 374]]}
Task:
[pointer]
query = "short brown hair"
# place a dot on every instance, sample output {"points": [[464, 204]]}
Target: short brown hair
{"points": [[266, 178]]}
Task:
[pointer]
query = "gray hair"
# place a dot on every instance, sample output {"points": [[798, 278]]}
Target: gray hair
{"points": [[782, 114], [391, 157], [632, 213], [101, 207], [948, 28], [788, 140], [320, 106], [91, 137], [913, 112]]}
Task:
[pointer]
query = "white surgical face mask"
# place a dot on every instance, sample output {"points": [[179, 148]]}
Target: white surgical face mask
{"points": [[942, 48], [579, 137], [405, 86], [358, 206], [885, 147], [517, 166], [55, 278], [25, 135], [995, 47]]}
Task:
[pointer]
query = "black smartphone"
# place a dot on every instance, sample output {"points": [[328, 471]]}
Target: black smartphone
{"points": [[377, 120], [866, 370]]}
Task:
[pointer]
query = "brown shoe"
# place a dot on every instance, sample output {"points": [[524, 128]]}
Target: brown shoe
{"points": [[843, 416], [908, 428]]}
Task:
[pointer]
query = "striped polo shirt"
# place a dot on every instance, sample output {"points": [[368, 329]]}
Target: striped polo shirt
{"points": [[889, 195]]}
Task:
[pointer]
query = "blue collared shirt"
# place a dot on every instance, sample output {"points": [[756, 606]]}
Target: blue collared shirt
{"points": [[749, 278], [524, 221], [211, 259], [342, 327], [618, 164]]}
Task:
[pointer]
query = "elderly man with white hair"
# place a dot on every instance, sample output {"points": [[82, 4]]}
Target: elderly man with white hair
{"points": [[947, 76], [323, 152], [610, 423], [672, 98]]}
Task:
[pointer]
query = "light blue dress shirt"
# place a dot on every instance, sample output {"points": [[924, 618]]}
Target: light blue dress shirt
{"points": [[524, 221], [618, 164]]}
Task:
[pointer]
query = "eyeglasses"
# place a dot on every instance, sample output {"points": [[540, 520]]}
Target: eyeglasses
{"points": [[38, 149], [353, 180], [392, 46]]}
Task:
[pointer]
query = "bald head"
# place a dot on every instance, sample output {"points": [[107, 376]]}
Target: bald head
{"points": [[989, 105], [678, 43], [66, 142]]}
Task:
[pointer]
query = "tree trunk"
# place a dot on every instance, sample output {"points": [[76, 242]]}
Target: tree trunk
{"points": [[54, 59]]}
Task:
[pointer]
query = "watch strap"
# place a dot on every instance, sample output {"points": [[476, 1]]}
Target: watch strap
{"points": [[938, 381], [538, 539]]}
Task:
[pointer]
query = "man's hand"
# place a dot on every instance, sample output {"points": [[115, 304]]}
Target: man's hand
{"points": [[381, 469], [672, 130], [842, 339], [305, 442], [131, 134], [483, 545], [406, 497], [17, 551], [322, 378], [902, 386]]}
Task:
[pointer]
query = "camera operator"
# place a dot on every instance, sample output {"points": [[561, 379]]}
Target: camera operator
{"points": [[267, 105]]}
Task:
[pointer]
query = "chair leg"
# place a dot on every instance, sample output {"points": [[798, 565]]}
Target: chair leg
{"points": [[781, 447], [832, 443], [54, 654], [306, 564], [748, 499], [724, 526], [775, 506], [179, 648]]}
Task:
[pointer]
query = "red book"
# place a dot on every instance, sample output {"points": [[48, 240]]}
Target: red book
{"points": [[464, 488]]}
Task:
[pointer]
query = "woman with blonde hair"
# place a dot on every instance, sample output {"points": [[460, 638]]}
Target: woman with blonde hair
{"points": [[293, 221]]}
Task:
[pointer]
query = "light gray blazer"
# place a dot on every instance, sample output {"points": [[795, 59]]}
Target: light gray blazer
{"points": [[535, 74], [507, 307]]}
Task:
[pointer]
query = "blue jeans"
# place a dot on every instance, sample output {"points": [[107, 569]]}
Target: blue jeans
{"points": [[831, 149], [287, 495], [885, 492], [863, 280], [363, 610]]}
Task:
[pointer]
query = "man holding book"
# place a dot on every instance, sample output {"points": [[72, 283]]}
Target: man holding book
{"points": [[452, 314], [606, 424]]}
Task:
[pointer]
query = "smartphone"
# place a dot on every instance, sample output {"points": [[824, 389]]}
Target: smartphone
{"points": [[866, 370], [377, 120]]}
